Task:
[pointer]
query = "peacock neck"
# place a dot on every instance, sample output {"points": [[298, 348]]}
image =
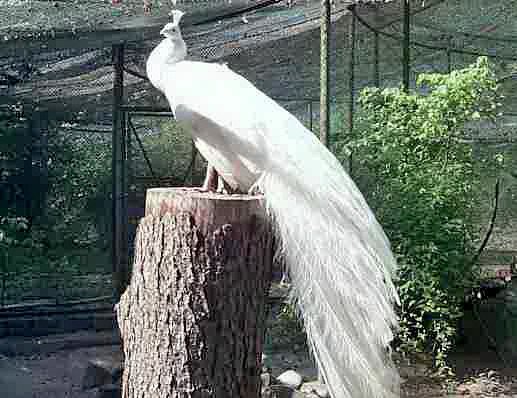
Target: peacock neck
{"points": [[167, 53], [177, 50]]}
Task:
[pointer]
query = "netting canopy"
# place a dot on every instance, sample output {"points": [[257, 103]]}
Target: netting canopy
{"points": [[59, 54], [68, 66]]}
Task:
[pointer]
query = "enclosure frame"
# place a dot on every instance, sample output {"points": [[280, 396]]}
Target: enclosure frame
{"points": [[145, 28]]}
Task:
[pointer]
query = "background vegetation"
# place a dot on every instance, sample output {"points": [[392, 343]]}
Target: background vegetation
{"points": [[410, 159], [53, 235], [418, 172], [55, 202]]}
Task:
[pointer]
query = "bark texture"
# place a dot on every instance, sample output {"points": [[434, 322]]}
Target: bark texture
{"points": [[193, 317]]}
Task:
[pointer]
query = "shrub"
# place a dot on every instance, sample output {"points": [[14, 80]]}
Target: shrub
{"points": [[419, 177]]}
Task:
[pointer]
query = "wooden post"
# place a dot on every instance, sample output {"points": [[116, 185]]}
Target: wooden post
{"points": [[192, 320], [324, 72]]}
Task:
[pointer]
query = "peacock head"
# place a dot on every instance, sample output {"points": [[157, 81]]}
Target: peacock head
{"points": [[172, 29], [173, 44]]}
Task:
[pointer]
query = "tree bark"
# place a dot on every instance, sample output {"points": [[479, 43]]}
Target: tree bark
{"points": [[192, 320]]}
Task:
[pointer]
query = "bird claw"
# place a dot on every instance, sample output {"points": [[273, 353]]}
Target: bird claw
{"points": [[222, 188], [211, 180], [214, 183], [255, 190]]}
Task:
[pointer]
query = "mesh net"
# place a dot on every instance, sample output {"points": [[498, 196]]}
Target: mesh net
{"points": [[442, 39], [277, 48]]}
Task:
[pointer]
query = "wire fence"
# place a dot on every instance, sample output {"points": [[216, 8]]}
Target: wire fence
{"points": [[441, 40], [276, 46]]}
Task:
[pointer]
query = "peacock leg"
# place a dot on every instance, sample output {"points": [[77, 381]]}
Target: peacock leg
{"points": [[211, 179], [224, 187], [215, 183], [256, 189]]}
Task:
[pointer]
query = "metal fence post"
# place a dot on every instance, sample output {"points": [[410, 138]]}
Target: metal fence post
{"points": [[129, 151], [309, 108], [405, 47], [324, 84], [351, 81], [324, 72], [351, 85], [376, 75], [449, 60], [119, 187]]}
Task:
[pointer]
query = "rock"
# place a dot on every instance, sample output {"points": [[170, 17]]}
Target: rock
{"points": [[109, 391], [498, 317], [10, 377], [316, 388], [101, 371], [413, 370], [308, 371], [290, 378], [266, 379], [421, 370], [491, 374], [322, 391], [406, 371], [280, 391], [266, 362]]}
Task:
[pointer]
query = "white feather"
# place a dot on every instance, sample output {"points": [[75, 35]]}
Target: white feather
{"points": [[337, 254]]}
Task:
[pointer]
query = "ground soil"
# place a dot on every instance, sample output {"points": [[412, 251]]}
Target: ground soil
{"points": [[48, 374]]}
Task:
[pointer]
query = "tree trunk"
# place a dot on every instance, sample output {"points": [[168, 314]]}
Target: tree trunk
{"points": [[193, 317]]}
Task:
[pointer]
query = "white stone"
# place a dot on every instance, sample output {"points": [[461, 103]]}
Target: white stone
{"points": [[322, 391], [266, 379], [291, 379], [316, 388]]}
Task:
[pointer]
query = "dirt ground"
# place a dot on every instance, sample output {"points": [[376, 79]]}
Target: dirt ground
{"points": [[59, 374]]}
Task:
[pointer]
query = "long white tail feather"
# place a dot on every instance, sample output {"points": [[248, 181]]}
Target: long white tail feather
{"points": [[340, 265]]}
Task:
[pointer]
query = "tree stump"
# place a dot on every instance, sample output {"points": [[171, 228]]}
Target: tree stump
{"points": [[193, 318]]}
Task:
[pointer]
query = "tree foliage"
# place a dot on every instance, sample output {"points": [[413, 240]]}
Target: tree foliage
{"points": [[72, 232], [48, 181], [80, 178], [14, 157], [170, 152], [418, 174]]}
